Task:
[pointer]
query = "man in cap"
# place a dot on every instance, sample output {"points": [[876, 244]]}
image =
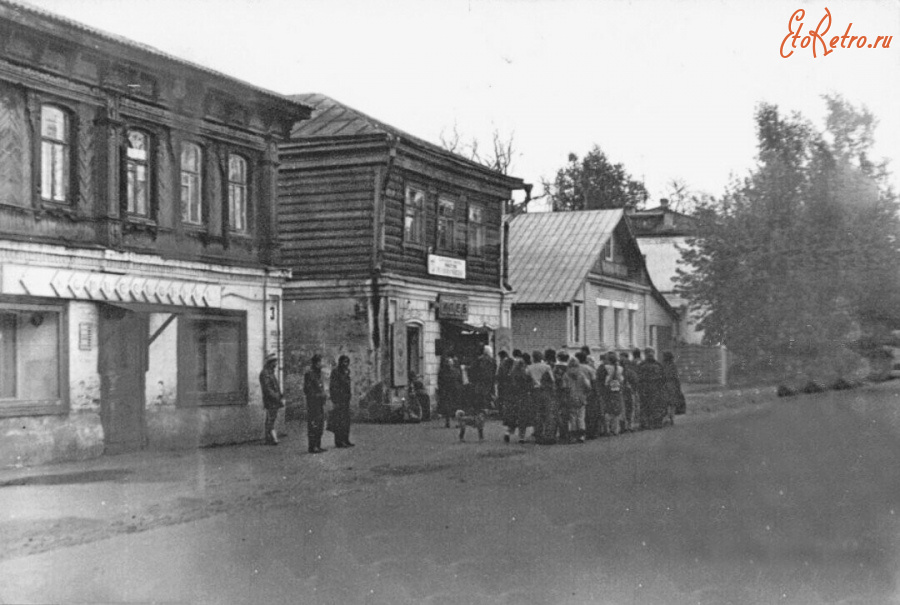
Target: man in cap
{"points": [[273, 399]]}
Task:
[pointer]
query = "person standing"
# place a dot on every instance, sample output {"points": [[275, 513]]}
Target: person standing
{"points": [[504, 390], [579, 386], [650, 390], [484, 373], [449, 387], [541, 383], [640, 407], [615, 377], [562, 396], [629, 392], [314, 390], [273, 398], [341, 393], [672, 386]]}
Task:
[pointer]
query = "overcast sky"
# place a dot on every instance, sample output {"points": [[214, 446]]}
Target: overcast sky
{"points": [[666, 88]]}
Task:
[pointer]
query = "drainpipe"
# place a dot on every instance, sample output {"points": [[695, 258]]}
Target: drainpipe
{"points": [[378, 252]]}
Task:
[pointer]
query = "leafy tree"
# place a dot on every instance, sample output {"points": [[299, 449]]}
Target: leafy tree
{"points": [[593, 183], [801, 257]]}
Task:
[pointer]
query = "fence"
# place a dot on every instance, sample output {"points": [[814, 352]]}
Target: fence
{"points": [[699, 364]]}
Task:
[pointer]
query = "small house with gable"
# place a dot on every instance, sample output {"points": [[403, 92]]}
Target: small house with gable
{"points": [[580, 279]]}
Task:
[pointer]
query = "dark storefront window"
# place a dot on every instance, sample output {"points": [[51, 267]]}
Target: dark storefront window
{"points": [[212, 366]]}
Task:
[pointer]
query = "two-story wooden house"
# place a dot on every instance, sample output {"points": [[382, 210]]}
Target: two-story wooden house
{"points": [[137, 236], [396, 247], [580, 279]]}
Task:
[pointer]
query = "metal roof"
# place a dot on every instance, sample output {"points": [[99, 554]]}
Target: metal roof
{"points": [[551, 253], [333, 119], [18, 6]]}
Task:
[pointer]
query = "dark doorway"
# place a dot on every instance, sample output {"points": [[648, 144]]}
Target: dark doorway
{"points": [[123, 363]]}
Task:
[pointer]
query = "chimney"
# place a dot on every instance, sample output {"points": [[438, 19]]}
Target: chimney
{"points": [[664, 203]]}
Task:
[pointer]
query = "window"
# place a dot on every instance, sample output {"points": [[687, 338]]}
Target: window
{"points": [[191, 183], [54, 154], [608, 249], [601, 316], [137, 161], [414, 217], [30, 354], [576, 323], [653, 336], [476, 230], [237, 192], [212, 366], [446, 225], [631, 315]]}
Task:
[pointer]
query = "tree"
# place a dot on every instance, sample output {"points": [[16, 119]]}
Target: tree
{"points": [[682, 198], [802, 256], [593, 183], [498, 157]]}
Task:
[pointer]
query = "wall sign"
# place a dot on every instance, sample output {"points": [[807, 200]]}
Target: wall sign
{"points": [[446, 266], [452, 306]]}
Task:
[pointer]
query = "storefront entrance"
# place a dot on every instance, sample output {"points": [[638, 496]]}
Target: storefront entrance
{"points": [[123, 362], [465, 341]]}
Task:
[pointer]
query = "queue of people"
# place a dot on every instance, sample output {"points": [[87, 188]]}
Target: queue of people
{"points": [[561, 399], [565, 399]]}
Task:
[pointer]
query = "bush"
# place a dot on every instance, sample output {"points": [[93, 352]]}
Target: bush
{"points": [[841, 385], [813, 387], [785, 391]]}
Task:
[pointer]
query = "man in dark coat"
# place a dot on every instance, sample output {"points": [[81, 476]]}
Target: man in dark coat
{"points": [[506, 390], [449, 387], [484, 372], [650, 389], [341, 393], [314, 389], [273, 399]]}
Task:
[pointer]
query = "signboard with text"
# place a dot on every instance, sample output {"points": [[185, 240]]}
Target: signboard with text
{"points": [[453, 307], [446, 266]]}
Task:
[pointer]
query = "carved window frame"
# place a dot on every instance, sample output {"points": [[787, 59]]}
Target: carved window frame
{"points": [[198, 188], [69, 147], [232, 186], [151, 165]]}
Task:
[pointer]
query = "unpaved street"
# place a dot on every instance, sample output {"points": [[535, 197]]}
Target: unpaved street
{"points": [[795, 501]]}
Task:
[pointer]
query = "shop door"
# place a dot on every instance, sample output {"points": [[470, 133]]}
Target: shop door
{"points": [[123, 356]]}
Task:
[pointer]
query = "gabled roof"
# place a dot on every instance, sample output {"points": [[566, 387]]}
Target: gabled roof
{"points": [[551, 253]]}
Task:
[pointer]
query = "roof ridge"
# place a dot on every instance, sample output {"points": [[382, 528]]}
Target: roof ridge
{"points": [[20, 5]]}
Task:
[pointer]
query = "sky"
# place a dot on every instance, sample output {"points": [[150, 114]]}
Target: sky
{"points": [[668, 89]]}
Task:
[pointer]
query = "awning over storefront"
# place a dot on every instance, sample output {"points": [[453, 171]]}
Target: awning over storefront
{"points": [[465, 328]]}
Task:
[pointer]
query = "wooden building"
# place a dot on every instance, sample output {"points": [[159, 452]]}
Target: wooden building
{"points": [[397, 251], [137, 240], [580, 279]]}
